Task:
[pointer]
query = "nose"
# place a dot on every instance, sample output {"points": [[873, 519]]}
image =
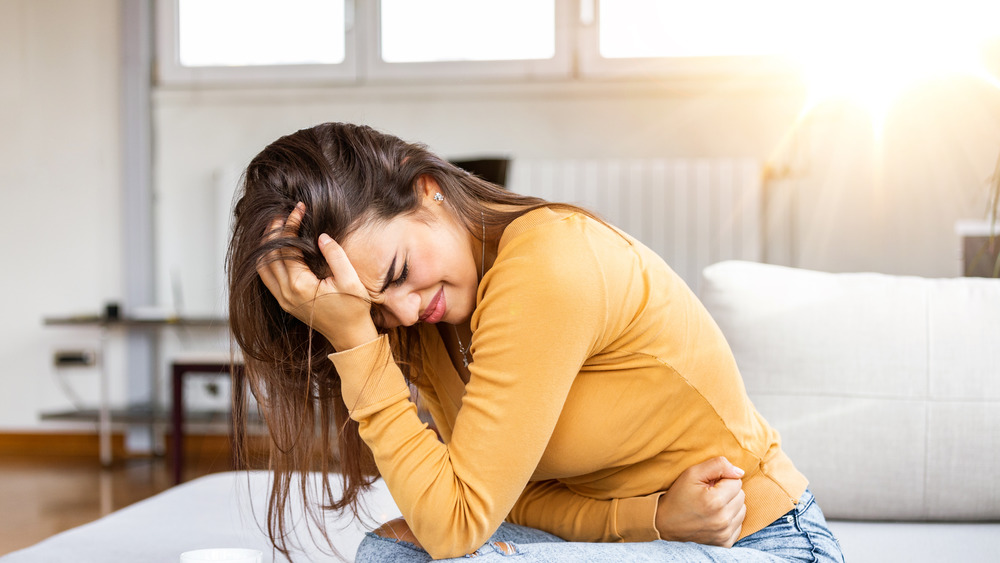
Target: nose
{"points": [[402, 306]]}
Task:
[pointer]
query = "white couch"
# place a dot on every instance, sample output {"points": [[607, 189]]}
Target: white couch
{"points": [[886, 391]]}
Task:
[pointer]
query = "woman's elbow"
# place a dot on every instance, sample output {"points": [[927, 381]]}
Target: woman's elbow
{"points": [[437, 544]]}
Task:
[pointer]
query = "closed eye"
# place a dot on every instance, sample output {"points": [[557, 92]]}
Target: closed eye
{"points": [[402, 275]]}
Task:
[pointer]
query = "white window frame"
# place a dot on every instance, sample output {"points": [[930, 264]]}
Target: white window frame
{"points": [[170, 72], [591, 64], [577, 57], [559, 66]]}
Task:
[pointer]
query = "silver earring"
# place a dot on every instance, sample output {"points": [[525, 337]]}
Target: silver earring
{"points": [[438, 197]]}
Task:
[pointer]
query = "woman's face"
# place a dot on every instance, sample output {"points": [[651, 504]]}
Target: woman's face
{"points": [[417, 268]]}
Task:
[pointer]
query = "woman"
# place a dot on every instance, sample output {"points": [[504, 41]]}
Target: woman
{"points": [[579, 389]]}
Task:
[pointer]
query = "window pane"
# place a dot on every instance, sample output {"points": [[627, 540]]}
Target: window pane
{"points": [[260, 32], [682, 28], [467, 30]]}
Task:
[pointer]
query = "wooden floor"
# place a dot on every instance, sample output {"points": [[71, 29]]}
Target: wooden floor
{"points": [[46, 494]]}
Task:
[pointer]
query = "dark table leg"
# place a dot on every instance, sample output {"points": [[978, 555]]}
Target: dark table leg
{"points": [[177, 423], [179, 371]]}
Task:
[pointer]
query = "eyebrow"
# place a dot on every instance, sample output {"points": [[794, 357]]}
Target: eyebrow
{"points": [[388, 276]]}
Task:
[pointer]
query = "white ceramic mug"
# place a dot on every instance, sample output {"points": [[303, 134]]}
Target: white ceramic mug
{"points": [[224, 554]]}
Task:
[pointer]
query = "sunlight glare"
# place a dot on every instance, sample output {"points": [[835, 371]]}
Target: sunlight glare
{"points": [[871, 51]]}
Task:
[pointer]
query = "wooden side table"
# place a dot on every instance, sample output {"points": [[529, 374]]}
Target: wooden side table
{"points": [[182, 367]]}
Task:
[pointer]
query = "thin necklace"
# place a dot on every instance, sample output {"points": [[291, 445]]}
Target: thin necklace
{"points": [[461, 348], [482, 264]]}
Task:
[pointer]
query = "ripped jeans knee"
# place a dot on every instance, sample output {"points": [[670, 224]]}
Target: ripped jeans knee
{"points": [[510, 540], [380, 549]]}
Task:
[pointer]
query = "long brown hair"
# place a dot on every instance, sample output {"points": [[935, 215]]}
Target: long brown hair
{"points": [[346, 175]]}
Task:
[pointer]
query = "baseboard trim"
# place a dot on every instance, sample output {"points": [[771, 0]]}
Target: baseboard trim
{"points": [[87, 444], [75, 444]]}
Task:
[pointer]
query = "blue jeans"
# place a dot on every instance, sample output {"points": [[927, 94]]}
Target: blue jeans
{"points": [[800, 535]]}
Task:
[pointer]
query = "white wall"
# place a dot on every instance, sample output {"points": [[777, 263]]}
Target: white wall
{"points": [[890, 205], [840, 202], [201, 133], [60, 192]]}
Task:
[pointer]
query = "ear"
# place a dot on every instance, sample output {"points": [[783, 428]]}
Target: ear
{"points": [[427, 188]]}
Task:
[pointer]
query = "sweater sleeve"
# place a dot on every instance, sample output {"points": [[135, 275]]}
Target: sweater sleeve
{"points": [[553, 507], [542, 311], [545, 505]]}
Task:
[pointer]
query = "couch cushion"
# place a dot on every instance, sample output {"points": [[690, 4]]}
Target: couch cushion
{"points": [[916, 542], [886, 389]]}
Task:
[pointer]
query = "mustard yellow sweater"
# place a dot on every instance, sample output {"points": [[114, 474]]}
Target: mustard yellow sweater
{"points": [[597, 378]]}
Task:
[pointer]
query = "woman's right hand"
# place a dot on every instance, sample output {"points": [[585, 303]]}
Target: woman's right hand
{"points": [[337, 306], [704, 505]]}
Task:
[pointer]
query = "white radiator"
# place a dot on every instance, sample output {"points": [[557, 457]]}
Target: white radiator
{"points": [[692, 212]]}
